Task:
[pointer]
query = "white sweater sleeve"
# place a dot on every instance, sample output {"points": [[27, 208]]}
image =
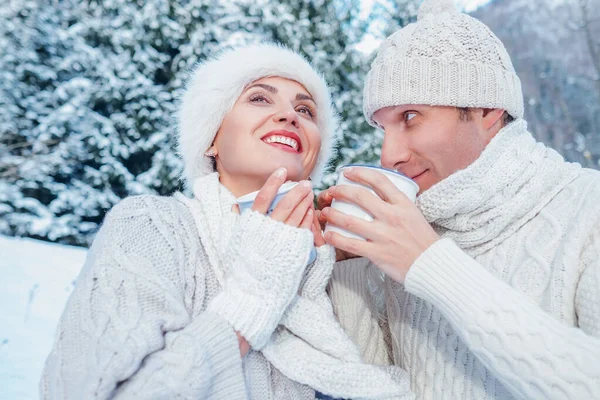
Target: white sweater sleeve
{"points": [[354, 306], [587, 298], [534, 355], [127, 331]]}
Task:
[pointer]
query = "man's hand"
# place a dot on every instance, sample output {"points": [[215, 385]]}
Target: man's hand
{"points": [[399, 233], [324, 199]]}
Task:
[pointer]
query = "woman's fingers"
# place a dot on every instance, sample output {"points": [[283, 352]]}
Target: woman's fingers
{"points": [[288, 203], [307, 222], [297, 216], [316, 230], [267, 193]]}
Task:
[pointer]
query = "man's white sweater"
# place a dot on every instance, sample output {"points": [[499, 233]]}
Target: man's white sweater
{"points": [[507, 304]]}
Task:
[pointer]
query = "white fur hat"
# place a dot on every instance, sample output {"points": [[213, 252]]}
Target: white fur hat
{"points": [[216, 84], [446, 58]]}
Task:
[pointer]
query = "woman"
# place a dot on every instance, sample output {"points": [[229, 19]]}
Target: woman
{"points": [[185, 298]]}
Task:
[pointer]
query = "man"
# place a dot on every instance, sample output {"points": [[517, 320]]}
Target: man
{"points": [[492, 286]]}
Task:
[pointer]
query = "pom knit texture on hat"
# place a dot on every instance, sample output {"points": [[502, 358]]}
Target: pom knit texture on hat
{"points": [[216, 84], [446, 58]]}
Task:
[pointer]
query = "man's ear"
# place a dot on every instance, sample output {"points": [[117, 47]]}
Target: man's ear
{"points": [[492, 117]]}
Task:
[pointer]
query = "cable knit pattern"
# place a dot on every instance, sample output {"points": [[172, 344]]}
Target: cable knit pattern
{"points": [[507, 304], [166, 278], [357, 310], [133, 326]]}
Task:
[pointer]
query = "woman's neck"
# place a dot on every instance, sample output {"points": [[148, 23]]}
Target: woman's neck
{"points": [[242, 185]]}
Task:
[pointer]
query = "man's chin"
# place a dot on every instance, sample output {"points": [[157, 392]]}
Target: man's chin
{"points": [[425, 182]]}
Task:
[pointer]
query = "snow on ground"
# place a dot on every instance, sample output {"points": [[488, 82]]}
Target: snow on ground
{"points": [[36, 279]]}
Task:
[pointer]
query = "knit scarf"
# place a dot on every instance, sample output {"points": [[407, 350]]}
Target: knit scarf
{"points": [[212, 210], [328, 360], [513, 179]]}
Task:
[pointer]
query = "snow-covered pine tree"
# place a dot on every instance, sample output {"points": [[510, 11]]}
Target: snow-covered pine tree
{"points": [[90, 91], [549, 42]]}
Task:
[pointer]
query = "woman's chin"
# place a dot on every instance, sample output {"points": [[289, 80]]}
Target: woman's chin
{"points": [[294, 171]]}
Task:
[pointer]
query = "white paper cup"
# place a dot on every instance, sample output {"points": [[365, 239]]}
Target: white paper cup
{"points": [[403, 183], [245, 202]]}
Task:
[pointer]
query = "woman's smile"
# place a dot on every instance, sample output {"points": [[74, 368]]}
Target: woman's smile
{"points": [[284, 140]]}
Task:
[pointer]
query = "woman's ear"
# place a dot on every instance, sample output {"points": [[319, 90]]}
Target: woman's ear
{"points": [[211, 152]]}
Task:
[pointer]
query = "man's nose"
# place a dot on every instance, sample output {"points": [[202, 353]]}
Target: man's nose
{"points": [[395, 150]]}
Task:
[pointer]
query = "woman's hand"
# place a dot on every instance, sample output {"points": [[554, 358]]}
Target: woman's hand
{"points": [[266, 258], [244, 345], [317, 232], [294, 209], [324, 200]]}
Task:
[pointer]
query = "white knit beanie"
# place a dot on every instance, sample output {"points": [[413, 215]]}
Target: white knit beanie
{"points": [[216, 84], [446, 58]]}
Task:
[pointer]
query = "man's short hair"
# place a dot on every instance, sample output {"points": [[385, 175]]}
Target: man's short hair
{"points": [[464, 113]]}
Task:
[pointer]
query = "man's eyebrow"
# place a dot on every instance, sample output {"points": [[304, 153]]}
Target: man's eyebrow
{"points": [[268, 88], [302, 96]]}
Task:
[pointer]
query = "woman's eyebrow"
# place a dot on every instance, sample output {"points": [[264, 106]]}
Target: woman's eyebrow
{"points": [[302, 96], [269, 88], [273, 89]]}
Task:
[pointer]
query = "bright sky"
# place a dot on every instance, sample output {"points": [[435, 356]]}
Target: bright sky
{"points": [[371, 43], [467, 5]]}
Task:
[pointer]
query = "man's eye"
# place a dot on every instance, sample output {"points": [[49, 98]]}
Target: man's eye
{"points": [[409, 115]]}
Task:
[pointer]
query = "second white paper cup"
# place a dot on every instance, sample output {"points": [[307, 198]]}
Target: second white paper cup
{"points": [[403, 183]]}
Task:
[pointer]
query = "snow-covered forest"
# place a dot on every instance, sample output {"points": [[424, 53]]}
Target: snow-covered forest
{"points": [[88, 90]]}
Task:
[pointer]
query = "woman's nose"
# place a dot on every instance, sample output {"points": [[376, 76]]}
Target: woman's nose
{"points": [[287, 116]]}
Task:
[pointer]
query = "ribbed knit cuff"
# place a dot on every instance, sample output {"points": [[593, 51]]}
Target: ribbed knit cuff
{"points": [[318, 273], [248, 314], [218, 345], [452, 281], [266, 260]]}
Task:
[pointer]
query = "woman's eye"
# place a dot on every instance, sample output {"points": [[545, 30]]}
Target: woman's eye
{"points": [[258, 98], [306, 110]]}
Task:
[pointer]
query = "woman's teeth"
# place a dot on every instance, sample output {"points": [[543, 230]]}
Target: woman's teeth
{"points": [[283, 140]]}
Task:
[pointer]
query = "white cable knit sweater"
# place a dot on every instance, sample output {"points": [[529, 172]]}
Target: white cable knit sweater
{"points": [[151, 315], [507, 304]]}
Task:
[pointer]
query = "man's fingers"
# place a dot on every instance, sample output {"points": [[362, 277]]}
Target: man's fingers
{"points": [[324, 199], [378, 182], [350, 223], [267, 194], [349, 245], [360, 197]]}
